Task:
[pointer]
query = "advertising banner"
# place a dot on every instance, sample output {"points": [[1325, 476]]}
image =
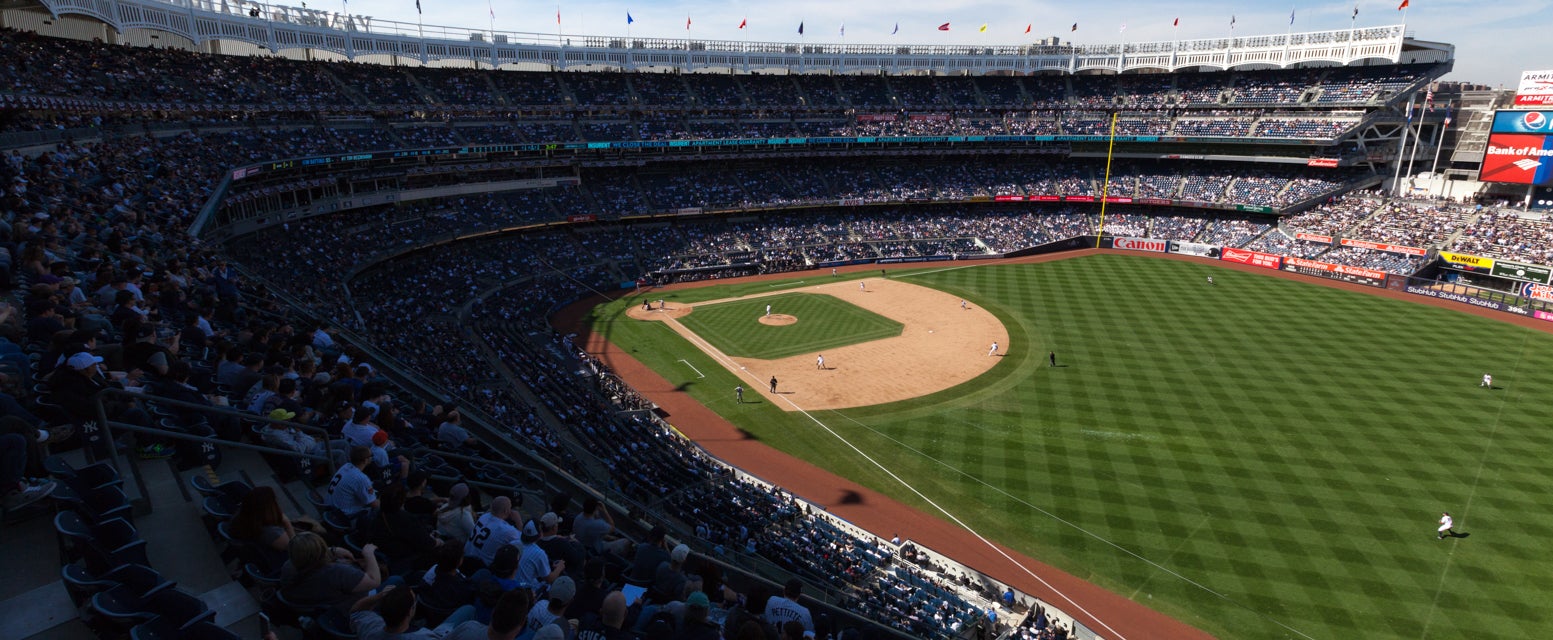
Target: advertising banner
{"points": [[1467, 262], [1457, 297], [1008, 198], [1536, 88], [1253, 258], [1078, 198], [582, 217], [1118, 200], [1537, 291], [1520, 149], [1313, 237], [1321, 162], [1359, 275], [1381, 246], [1046, 198], [1521, 271], [1194, 249], [1158, 201], [1141, 244]]}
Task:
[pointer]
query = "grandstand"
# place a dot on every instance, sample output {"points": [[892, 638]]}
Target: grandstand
{"points": [[393, 238]]}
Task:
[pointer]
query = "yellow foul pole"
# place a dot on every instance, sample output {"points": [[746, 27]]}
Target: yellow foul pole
{"points": [[1105, 189]]}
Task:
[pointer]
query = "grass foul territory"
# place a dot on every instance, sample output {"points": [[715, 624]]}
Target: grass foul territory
{"points": [[1260, 458]]}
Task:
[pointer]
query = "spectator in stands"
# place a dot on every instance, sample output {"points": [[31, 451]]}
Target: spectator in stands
{"points": [[500, 577], [261, 523], [495, 529], [388, 616], [406, 542], [316, 574], [535, 567], [561, 594], [669, 580], [240, 379], [697, 625], [507, 620], [18, 491], [784, 609], [350, 491], [444, 585], [591, 590], [609, 624], [594, 528], [791, 630], [649, 554], [455, 518], [451, 432], [359, 432], [418, 500], [559, 547]]}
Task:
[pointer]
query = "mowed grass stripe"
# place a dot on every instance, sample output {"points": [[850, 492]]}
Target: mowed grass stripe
{"points": [[824, 322], [1284, 444]]}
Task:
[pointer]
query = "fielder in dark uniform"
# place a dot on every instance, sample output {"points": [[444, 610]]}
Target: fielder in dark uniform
{"points": [[738, 394], [1053, 356], [773, 384]]}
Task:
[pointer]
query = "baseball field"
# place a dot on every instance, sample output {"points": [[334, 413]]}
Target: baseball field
{"points": [[1259, 458]]}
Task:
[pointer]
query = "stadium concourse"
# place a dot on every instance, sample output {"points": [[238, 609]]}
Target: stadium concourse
{"points": [[312, 295]]}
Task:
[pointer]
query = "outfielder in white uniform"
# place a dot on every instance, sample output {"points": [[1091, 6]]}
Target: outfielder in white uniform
{"points": [[819, 363], [1488, 381], [862, 286], [994, 350], [768, 310], [1445, 526]]}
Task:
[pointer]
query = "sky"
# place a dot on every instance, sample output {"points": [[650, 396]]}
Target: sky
{"points": [[1495, 40]]}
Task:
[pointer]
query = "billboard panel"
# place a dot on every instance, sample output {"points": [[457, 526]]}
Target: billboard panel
{"points": [[1141, 244], [1467, 262], [1522, 271], [1520, 148], [1253, 258], [1536, 88]]}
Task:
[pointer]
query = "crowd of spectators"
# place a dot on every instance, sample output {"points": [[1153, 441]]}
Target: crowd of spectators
{"points": [[1505, 233]]}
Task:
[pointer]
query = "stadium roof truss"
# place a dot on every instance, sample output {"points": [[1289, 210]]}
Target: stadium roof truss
{"points": [[279, 28]]}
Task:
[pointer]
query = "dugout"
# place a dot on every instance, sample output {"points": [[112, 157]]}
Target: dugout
{"points": [[1508, 285]]}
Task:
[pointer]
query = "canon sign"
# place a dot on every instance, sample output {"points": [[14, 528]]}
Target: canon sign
{"points": [[1141, 244]]}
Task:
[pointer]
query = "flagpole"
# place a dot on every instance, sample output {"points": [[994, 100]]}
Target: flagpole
{"points": [[1396, 178], [1440, 143], [1417, 135], [1105, 188]]}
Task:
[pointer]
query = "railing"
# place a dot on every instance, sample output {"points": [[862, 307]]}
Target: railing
{"points": [[279, 27]]}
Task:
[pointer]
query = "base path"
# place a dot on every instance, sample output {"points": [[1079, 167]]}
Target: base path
{"points": [[941, 344]]}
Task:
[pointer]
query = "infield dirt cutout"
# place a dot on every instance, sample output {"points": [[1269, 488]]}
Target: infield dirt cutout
{"points": [[940, 346]]}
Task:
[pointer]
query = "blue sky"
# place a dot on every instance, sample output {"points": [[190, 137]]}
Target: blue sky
{"points": [[1494, 40]]}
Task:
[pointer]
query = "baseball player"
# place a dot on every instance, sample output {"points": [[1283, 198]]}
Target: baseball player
{"points": [[962, 305], [773, 384], [861, 286], [768, 311], [1488, 381], [832, 271], [1445, 526], [738, 394], [994, 350], [819, 362], [1210, 279], [1053, 356]]}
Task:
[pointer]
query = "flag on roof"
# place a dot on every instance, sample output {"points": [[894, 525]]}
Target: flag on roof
{"points": [[1402, 6], [983, 28], [629, 19], [800, 27], [743, 22], [1075, 27], [1028, 26], [943, 27], [897, 29], [417, 6], [1177, 23]]}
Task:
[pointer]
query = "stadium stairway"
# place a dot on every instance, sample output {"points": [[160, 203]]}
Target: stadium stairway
{"points": [[33, 600]]}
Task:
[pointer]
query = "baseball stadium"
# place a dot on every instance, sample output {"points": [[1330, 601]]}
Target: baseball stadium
{"points": [[332, 327]]}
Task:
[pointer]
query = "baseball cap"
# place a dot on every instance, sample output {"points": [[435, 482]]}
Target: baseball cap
{"points": [[458, 492], [529, 531], [563, 589], [83, 360], [549, 519], [698, 599], [550, 632], [680, 553], [380, 438], [282, 414]]}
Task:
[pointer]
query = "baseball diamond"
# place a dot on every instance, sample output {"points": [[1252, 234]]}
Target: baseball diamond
{"points": [[1245, 458]]}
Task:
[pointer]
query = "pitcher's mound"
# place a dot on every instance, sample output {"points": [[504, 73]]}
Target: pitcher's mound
{"points": [[778, 320]]}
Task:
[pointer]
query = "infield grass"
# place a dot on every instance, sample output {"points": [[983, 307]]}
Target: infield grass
{"points": [[824, 322], [1262, 458]]}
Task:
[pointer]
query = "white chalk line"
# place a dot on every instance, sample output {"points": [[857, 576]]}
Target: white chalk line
{"points": [[732, 366], [693, 367]]}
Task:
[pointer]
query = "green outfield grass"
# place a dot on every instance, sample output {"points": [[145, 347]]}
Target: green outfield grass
{"points": [[1262, 458], [824, 322]]}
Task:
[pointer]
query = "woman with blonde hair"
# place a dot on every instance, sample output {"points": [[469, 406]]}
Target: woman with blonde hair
{"points": [[316, 574]]}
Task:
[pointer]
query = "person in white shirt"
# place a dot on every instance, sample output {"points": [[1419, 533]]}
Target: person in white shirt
{"points": [[1445, 526], [495, 529], [1488, 381]]}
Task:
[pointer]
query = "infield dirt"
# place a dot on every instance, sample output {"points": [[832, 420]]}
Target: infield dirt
{"points": [[941, 345]]}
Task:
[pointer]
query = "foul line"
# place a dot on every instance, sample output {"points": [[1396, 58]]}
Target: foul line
{"points": [[693, 368], [731, 366]]}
